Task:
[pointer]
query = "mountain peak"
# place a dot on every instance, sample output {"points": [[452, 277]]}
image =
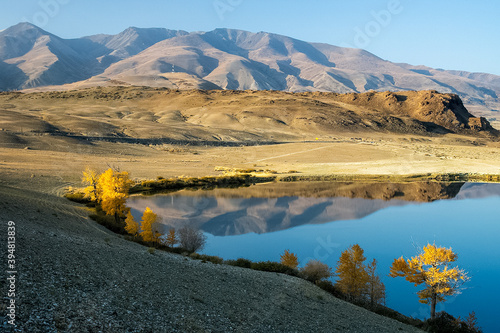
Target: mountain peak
{"points": [[23, 27], [20, 39]]}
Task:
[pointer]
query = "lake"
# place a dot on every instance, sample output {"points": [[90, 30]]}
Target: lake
{"points": [[318, 220]]}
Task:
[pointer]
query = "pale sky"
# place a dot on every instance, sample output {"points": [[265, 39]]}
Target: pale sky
{"points": [[449, 34]]}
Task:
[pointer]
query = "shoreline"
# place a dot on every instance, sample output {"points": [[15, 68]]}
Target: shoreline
{"points": [[276, 267], [163, 186], [152, 187]]}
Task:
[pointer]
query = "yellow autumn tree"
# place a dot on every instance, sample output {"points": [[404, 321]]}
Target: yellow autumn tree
{"points": [[149, 228], [375, 287], [131, 225], [289, 259], [113, 188], [351, 272], [171, 238], [431, 268], [90, 178]]}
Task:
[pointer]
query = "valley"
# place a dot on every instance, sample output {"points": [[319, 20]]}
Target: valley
{"points": [[162, 103]]}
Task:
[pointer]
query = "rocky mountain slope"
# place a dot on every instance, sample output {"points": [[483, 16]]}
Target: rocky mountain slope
{"points": [[220, 59], [229, 117]]}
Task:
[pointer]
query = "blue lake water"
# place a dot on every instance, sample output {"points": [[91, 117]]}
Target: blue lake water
{"points": [[318, 222]]}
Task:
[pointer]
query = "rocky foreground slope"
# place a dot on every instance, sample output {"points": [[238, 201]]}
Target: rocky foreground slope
{"points": [[75, 276]]}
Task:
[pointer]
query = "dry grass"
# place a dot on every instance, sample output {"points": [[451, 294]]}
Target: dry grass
{"points": [[147, 132]]}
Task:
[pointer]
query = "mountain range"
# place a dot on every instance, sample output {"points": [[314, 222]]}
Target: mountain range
{"points": [[34, 59]]}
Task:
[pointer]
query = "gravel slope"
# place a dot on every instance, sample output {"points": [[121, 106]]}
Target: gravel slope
{"points": [[75, 276]]}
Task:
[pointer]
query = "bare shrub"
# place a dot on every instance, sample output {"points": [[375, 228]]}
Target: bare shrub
{"points": [[191, 239], [316, 271]]}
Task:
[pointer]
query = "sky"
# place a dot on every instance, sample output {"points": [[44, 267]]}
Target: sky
{"points": [[448, 34]]}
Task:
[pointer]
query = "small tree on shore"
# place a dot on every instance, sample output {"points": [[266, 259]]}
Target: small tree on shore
{"points": [[375, 287], [91, 179], [431, 268], [191, 239], [289, 259], [171, 238], [471, 323], [131, 225], [149, 231], [351, 271], [112, 189]]}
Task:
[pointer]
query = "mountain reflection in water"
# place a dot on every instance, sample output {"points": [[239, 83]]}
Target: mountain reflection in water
{"points": [[271, 207]]}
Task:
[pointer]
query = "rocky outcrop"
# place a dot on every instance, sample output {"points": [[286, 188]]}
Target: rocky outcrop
{"points": [[429, 106], [479, 124]]}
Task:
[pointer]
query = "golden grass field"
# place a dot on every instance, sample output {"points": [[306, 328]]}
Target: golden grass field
{"points": [[55, 135]]}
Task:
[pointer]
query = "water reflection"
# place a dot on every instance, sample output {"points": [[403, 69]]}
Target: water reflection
{"points": [[457, 215], [278, 206]]}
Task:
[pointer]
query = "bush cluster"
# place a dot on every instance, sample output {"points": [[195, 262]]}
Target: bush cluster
{"points": [[272, 266], [191, 239], [108, 222], [77, 197], [240, 262], [207, 258], [315, 271], [173, 184], [446, 323]]}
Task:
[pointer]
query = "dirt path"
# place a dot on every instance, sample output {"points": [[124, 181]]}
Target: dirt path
{"points": [[289, 154]]}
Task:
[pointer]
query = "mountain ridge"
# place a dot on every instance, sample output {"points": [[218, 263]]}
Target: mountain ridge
{"points": [[31, 58], [124, 113]]}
